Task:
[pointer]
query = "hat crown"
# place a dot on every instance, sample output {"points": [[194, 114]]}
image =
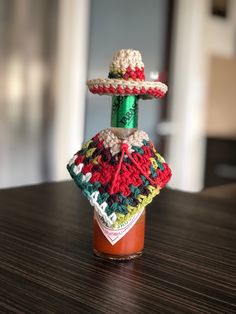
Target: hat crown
{"points": [[124, 58], [127, 64]]}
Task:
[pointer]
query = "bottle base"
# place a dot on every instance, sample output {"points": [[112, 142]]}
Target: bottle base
{"points": [[118, 258]]}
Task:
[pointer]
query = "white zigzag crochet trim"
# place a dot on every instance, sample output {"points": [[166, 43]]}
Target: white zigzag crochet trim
{"points": [[126, 83]]}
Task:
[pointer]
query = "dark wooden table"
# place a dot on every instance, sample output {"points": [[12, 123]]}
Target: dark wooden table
{"points": [[47, 266]]}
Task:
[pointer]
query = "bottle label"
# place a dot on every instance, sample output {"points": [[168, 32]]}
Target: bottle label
{"points": [[114, 235], [124, 112]]}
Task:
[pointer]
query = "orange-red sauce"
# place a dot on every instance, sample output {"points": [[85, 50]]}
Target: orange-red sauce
{"points": [[130, 243]]}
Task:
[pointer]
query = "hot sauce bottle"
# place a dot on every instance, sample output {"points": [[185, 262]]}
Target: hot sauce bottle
{"points": [[118, 170], [124, 122]]}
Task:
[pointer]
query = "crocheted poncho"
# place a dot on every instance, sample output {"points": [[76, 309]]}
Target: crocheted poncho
{"points": [[119, 177]]}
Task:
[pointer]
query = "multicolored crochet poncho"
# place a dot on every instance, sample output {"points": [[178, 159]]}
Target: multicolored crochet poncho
{"points": [[119, 177]]}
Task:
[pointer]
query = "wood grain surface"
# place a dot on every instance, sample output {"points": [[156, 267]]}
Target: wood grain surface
{"points": [[47, 266]]}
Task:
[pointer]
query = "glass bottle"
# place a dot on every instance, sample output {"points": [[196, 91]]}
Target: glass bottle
{"points": [[124, 122], [128, 247]]}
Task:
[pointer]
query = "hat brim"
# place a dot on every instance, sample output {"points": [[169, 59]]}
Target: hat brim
{"points": [[112, 87]]}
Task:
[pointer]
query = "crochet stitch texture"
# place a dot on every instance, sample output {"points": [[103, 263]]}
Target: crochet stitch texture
{"points": [[126, 77], [119, 177]]}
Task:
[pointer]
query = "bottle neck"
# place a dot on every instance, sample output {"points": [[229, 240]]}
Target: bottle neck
{"points": [[124, 113]]}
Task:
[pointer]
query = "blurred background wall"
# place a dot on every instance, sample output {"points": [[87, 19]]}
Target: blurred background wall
{"points": [[202, 31], [28, 31], [43, 59], [49, 48]]}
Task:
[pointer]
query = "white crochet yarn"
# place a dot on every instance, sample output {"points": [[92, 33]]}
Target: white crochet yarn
{"points": [[113, 142], [124, 83], [124, 58]]}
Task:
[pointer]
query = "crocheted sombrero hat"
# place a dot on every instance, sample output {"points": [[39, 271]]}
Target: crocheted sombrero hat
{"points": [[126, 77]]}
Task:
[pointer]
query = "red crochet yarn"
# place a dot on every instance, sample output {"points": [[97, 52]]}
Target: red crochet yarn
{"points": [[156, 92], [134, 74], [118, 178]]}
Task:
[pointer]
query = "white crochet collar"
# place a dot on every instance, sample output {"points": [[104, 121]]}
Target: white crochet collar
{"points": [[113, 142]]}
